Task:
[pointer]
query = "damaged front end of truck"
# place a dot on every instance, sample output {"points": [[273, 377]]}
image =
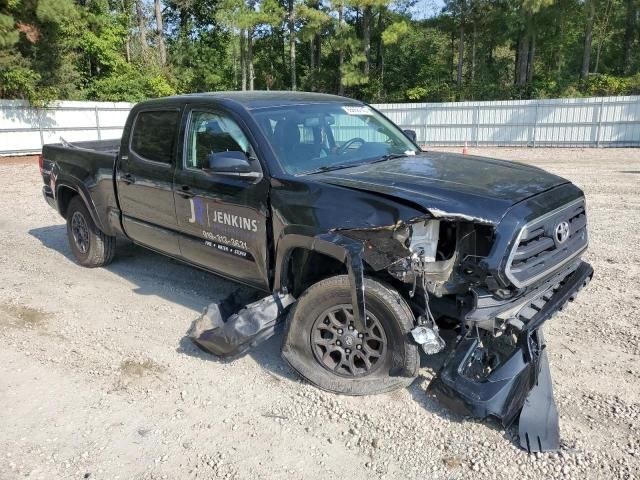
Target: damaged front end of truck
{"points": [[491, 281], [495, 284]]}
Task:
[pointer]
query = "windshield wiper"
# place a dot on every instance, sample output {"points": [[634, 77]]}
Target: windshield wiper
{"points": [[389, 156], [328, 168], [339, 166]]}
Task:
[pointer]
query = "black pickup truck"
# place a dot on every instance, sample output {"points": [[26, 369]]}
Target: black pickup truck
{"points": [[375, 246]]}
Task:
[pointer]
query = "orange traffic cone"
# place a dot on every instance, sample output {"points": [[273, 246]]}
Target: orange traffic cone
{"points": [[465, 150]]}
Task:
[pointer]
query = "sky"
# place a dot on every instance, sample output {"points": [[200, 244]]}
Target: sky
{"points": [[427, 8]]}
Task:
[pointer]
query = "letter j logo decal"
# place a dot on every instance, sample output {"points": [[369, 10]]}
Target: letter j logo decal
{"points": [[197, 211]]}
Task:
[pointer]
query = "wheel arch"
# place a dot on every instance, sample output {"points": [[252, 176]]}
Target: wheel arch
{"points": [[304, 266], [345, 251], [66, 192], [64, 195]]}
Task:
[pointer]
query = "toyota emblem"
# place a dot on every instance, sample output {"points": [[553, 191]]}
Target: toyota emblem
{"points": [[562, 232]]}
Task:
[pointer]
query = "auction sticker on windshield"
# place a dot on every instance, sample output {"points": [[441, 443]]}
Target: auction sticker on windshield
{"points": [[357, 110]]}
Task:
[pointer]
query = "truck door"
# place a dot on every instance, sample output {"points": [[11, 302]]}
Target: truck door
{"points": [[145, 180], [222, 217]]}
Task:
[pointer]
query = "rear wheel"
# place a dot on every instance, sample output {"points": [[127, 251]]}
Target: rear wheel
{"points": [[325, 347], [91, 247]]}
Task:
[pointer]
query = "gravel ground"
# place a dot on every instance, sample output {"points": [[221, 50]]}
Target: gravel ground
{"points": [[98, 381]]}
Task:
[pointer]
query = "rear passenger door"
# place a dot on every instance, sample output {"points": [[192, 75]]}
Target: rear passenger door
{"points": [[223, 218], [145, 180]]}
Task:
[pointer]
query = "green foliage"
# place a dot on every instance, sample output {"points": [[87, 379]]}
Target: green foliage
{"points": [[131, 84], [93, 49], [237, 14], [18, 82], [395, 32], [534, 6], [313, 19], [103, 39], [56, 11], [353, 73], [600, 85], [443, 92], [633, 84], [8, 35]]}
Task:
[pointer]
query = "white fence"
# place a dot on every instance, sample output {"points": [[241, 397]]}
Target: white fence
{"points": [[572, 122], [24, 129], [584, 122]]}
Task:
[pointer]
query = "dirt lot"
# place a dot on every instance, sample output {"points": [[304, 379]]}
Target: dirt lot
{"points": [[97, 379]]}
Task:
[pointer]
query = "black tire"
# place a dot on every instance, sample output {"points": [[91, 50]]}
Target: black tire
{"points": [[91, 247], [304, 348]]}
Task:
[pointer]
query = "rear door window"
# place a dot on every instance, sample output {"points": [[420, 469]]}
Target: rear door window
{"points": [[154, 135]]}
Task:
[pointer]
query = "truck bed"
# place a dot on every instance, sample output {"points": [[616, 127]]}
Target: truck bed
{"points": [[88, 166], [110, 146]]}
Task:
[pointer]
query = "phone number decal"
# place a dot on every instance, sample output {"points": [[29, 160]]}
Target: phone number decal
{"points": [[226, 244], [232, 242]]}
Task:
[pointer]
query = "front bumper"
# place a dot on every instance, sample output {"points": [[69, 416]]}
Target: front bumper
{"points": [[503, 392]]}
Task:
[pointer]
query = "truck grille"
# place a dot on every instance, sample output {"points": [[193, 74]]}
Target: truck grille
{"points": [[547, 243]]}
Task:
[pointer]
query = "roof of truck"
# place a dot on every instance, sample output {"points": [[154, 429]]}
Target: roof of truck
{"points": [[263, 99]]}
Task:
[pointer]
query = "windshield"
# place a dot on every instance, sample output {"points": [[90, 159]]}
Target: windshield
{"points": [[320, 137]]}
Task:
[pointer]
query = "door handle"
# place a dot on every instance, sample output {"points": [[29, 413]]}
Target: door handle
{"points": [[128, 178], [185, 191]]}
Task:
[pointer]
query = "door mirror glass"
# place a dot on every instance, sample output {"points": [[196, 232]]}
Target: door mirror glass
{"points": [[229, 162], [412, 135]]}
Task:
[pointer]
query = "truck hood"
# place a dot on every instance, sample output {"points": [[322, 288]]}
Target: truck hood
{"points": [[449, 185]]}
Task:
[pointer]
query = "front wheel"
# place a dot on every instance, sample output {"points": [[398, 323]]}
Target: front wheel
{"points": [[91, 247], [323, 345]]}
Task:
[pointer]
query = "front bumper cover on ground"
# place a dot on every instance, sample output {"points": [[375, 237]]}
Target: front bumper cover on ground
{"points": [[508, 388]]}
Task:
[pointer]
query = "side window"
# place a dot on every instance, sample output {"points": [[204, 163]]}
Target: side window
{"points": [[154, 135], [212, 133]]}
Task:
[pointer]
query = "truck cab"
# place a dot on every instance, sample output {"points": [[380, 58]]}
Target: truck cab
{"points": [[190, 184]]}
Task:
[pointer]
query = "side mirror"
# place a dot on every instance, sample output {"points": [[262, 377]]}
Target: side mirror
{"points": [[233, 162], [412, 135]]}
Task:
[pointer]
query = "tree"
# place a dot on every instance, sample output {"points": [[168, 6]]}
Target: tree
{"points": [[340, 6], [291, 22], [390, 36], [162, 49], [458, 10], [590, 6], [526, 54], [630, 28], [142, 27], [241, 16], [312, 22]]}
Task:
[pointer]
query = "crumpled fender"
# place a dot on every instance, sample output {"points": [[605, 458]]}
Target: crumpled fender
{"points": [[343, 249]]}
